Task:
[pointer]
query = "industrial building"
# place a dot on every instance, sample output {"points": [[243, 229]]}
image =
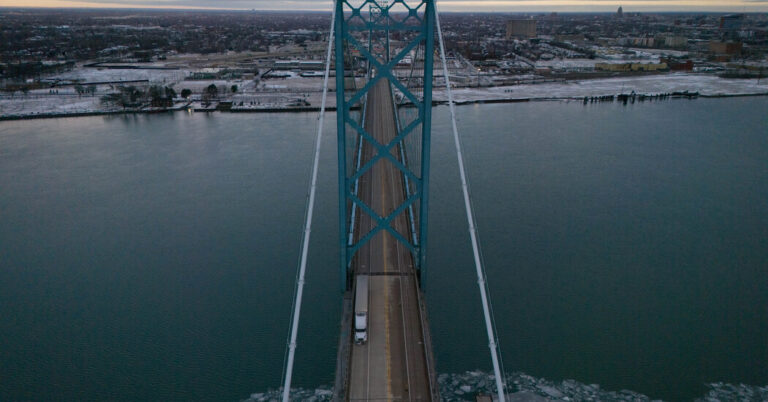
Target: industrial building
{"points": [[639, 42], [626, 67], [676, 41], [725, 48]]}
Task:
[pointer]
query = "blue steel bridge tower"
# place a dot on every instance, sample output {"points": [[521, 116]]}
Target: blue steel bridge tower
{"points": [[393, 41]]}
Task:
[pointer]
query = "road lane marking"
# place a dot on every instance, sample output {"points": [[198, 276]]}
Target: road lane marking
{"points": [[385, 245]]}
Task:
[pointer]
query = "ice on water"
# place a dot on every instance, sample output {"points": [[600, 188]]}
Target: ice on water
{"points": [[522, 387]]}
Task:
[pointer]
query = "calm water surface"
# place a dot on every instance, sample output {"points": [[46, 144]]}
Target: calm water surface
{"points": [[153, 257]]}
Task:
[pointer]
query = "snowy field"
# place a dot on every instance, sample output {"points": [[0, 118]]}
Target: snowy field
{"points": [[85, 74]]}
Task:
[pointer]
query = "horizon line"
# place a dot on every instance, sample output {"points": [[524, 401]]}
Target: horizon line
{"points": [[203, 8]]}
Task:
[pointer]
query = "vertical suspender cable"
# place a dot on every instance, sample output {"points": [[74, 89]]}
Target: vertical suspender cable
{"points": [[308, 224], [471, 222]]}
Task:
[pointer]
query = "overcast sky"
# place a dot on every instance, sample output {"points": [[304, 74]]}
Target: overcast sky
{"points": [[444, 5]]}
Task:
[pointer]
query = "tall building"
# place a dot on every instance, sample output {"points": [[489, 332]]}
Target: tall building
{"points": [[521, 29], [620, 12], [731, 22]]}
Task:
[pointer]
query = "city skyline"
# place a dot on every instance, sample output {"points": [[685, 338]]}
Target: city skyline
{"points": [[445, 5]]}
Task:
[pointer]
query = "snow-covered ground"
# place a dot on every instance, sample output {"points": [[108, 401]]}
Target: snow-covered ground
{"points": [[708, 85], [571, 63], [87, 74], [646, 52], [42, 105]]}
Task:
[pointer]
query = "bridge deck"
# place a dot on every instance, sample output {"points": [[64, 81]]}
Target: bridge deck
{"points": [[393, 364]]}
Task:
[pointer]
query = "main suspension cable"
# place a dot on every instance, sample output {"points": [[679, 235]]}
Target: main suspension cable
{"points": [[308, 223], [471, 222]]}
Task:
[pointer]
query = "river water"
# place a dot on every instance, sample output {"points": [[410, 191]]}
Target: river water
{"points": [[152, 257]]}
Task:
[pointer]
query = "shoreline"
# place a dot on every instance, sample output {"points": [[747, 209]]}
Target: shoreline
{"points": [[310, 109]]}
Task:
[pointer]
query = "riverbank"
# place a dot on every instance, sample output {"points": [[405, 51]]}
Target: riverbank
{"points": [[314, 109], [706, 85], [646, 88], [90, 113], [522, 387]]}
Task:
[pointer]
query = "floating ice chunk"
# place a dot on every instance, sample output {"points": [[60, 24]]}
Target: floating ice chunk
{"points": [[526, 396], [550, 391]]}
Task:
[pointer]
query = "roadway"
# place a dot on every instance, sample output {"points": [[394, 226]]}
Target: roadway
{"points": [[394, 364]]}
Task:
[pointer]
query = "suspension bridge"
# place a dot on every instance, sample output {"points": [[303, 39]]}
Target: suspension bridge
{"points": [[382, 53]]}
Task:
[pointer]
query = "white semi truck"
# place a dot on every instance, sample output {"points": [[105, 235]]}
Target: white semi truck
{"points": [[361, 309]]}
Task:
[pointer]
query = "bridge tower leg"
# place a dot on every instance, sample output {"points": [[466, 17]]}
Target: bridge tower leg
{"points": [[341, 111], [414, 22]]}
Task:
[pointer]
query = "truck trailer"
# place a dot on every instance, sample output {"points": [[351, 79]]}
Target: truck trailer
{"points": [[361, 309]]}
